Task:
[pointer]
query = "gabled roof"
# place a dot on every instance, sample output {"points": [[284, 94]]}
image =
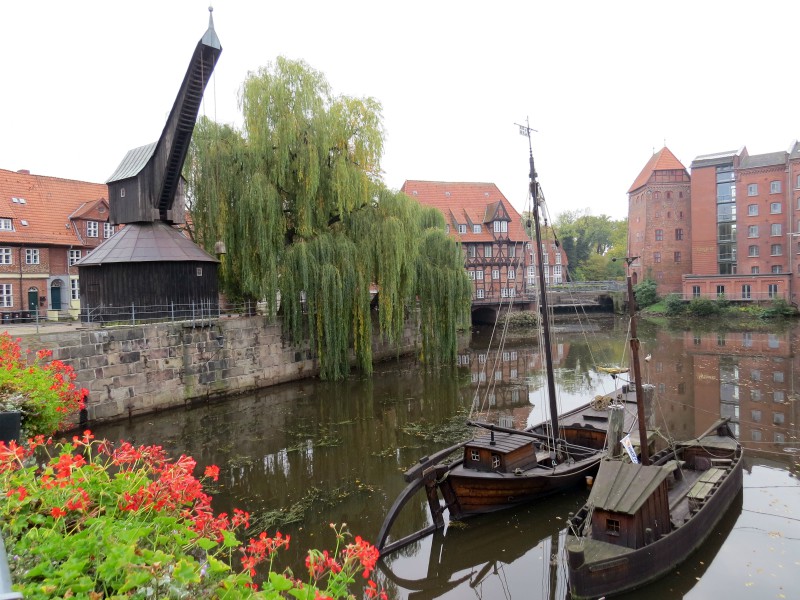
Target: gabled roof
{"points": [[48, 204], [771, 159], [146, 242], [624, 487], [133, 163], [718, 158], [663, 160], [466, 204]]}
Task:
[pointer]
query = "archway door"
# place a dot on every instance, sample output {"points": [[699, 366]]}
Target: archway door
{"points": [[55, 294], [33, 299]]}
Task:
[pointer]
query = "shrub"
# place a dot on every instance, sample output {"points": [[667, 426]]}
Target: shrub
{"points": [[43, 392], [703, 307], [645, 293], [674, 305], [95, 521]]}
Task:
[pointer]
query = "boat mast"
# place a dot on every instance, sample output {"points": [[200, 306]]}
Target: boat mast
{"points": [[637, 379], [548, 352]]}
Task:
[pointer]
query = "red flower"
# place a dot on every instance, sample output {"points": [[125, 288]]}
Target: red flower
{"points": [[21, 492], [57, 512], [212, 471]]}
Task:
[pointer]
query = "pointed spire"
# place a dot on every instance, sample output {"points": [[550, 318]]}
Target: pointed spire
{"points": [[210, 37]]}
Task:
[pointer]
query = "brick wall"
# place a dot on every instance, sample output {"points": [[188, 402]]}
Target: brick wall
{"points": [[136, 370]]}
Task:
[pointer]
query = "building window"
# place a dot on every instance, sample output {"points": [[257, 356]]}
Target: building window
{"points": [[75, 291], [772, 290], [6, 294], [679, 234], [777, 376], [31, 256], [512, 273], [461, 229], [480, 294], [500, 226], [92, 228], [5, 256], [720, 290], [479, 274], [752, 250], [755, 270], [777, 268], [797, 184], [777, 418], [545, 258], [774, 187], [775, 250], [472, 252], [752, 210], [656, 257], [108, 230], [487, 250], [695, 291], [612, 526], [504, 292], [659, 235], [471, 274], [775, 229], [558, 258], [495, 273], [746, 291], [677, 257], [752, 231], [752, 189], [447, 228], [512, 251], [5, 225], [775, 208], [476, 229], [495, 461], [74, 256]]}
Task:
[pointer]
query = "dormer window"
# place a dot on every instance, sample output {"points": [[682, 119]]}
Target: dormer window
{"points": [[462, 229], [108, 230], [92, 229], [476, 229], [501, 226], [6, 225]]}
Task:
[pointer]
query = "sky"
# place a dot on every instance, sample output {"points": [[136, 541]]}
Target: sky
{"points": [[604, 84]]}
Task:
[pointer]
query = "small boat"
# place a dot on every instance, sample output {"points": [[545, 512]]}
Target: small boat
{"points": [[641, 521], [506, 467]]}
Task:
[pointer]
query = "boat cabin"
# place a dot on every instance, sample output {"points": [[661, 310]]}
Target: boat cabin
{"points": [[630, 503], [501, 452]]}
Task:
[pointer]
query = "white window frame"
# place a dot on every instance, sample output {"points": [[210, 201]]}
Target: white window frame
{"points": [[775, 187], [480, 293], [776, 250], [476, 229], [752, 210], [6, 295], [108, 230], [772, 291], [501, 226], [74, 289], [775, 229], [752, 189], [558, 258], [6, 225], [487, 251], [32, 256], [462, 229], [92, 229], [504, 292], [776, 269], [6, 257], [74, 256], [746, 291], [495, 273], [752, 231], [753, 250], [775, 208], [479, 274], [512, 273]]}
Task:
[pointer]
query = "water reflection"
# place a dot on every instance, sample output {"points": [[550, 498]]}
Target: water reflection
{"points": [[311, 453]]}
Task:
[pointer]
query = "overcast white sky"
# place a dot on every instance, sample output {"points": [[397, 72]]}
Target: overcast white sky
{"points": [[604, 83]]}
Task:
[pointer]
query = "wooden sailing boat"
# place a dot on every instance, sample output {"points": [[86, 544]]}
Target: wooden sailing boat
{"points": [[508, 467], [642, 519]]}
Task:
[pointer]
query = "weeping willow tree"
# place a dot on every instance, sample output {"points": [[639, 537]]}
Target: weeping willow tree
{"points": [[297, 198]]}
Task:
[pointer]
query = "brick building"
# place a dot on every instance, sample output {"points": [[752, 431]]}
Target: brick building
{"points": [[498, 253], [659, 227], [47, 224], [744, 225]]}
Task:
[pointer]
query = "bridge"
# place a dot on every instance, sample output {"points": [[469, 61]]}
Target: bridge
{"points": [[563, 298]]}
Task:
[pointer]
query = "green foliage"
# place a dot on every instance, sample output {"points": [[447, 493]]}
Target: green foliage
{"points": [[674, 305], [645, 293], [703, 307], [297, 198], [778, 308], [722, 302]]}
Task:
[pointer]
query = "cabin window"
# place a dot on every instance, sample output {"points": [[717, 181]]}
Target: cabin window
{"points": [[199, 271], [612, 526], [476, 456], [121, 192], [495, 461]]}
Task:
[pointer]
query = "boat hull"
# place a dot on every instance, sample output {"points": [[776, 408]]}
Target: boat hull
{"points": [[622, 570], [469, 493]]}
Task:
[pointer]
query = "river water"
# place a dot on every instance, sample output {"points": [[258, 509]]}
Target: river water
{"points": [[301, 456]]}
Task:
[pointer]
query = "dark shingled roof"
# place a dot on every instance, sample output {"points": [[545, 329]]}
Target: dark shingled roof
{"points": [[624, 487], [146, 242], [133, 163], [771, 159]]}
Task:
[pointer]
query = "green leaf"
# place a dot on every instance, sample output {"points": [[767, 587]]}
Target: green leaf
{"points": [[280, 582], [186, 572]]}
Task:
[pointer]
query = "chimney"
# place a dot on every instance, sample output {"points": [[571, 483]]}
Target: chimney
{"points": [[24, 172]]}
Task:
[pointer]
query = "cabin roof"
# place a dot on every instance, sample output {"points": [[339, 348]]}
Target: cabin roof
{"points": [[146, 242], [624, 487], [503, 442], [133, 163]]}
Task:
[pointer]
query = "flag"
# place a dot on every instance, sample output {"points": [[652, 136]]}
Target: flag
{"points": [[628, 445]]}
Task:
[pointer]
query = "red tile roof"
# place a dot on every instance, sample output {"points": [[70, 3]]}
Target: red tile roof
{"points": [[49, 202], [467, 204], [663, 160]]}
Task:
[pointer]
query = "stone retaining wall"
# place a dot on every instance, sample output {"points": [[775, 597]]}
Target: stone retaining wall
{"points": [[139, 369]]}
